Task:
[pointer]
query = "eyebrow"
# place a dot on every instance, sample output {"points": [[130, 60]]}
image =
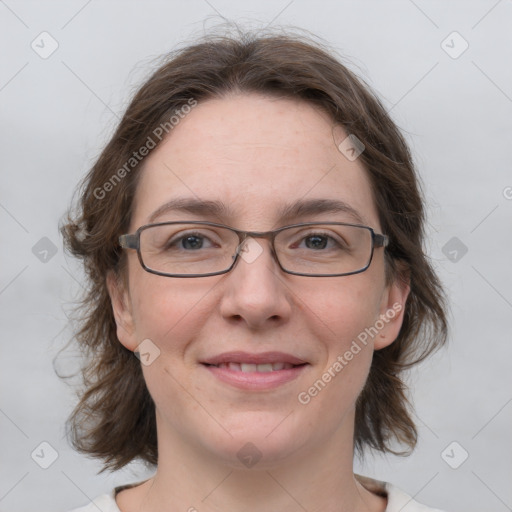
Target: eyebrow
{"points": [[309, 207], [287, 213], [205, 208]]}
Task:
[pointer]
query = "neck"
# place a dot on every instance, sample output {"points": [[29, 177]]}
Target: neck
{"points": [[320, 479]]}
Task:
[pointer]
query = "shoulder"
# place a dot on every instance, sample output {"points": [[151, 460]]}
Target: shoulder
{"points": [[105, 503], [398, 500]]}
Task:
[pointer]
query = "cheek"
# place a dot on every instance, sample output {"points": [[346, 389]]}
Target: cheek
{"points": [[171, 313], [341, 320], [343, 308], [168, 311]]}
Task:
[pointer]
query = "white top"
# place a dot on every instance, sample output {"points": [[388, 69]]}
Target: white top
{"points": [[398, 501]]}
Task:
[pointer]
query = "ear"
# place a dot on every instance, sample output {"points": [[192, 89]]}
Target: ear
{"points": [[392, 309], [121, 306]]}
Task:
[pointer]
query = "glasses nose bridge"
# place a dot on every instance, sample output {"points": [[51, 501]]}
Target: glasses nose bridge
{"points": [[267, 235]]}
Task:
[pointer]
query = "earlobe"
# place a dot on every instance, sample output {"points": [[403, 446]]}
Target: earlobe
{"points": [[392, 313], [121, 308]]}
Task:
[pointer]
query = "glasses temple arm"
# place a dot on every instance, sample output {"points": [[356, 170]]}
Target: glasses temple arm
{"points": [[129, 241], [381, 240]]}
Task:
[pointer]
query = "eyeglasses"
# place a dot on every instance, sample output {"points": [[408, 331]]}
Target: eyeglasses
{"points": [[199, 249]]}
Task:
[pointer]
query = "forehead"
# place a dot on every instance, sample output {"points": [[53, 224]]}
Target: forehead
{"points": [[257, 155]]}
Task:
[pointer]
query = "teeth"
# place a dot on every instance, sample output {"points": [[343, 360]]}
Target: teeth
{"points": [[263, 367], [251, 367], [245, 367]]}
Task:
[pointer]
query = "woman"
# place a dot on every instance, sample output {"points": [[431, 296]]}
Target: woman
{"points": [[253, 234]]}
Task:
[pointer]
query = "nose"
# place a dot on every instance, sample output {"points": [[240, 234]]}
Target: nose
{"points": [[255, 292]]}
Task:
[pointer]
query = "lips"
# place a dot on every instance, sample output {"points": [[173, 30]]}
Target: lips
{"points": [[246, 362], [255, 371], [251, 367]]}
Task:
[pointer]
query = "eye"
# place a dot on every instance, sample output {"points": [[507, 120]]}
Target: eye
{"points": [[190, 242], [317, 241]]}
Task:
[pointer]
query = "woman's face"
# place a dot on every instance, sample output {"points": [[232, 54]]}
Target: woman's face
{"points": [[255, 155]]}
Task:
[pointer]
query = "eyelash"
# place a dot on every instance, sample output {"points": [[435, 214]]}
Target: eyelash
{"points": [[303, 236]]}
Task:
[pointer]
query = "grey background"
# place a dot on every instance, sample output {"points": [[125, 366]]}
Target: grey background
{"points": [[59, 111]]}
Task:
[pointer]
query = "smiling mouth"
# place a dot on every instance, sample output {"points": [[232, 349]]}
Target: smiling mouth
{"points": [[255, 372], [258, 368]]}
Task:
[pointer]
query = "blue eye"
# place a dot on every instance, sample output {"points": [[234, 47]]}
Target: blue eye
{"points": [[320, 242], [316, 242], [192, 242]]}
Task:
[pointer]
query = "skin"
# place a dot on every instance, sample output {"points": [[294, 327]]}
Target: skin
{"points": [[254, 153]]}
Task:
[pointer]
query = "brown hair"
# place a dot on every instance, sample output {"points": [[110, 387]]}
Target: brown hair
{"points": [[115, 417]]}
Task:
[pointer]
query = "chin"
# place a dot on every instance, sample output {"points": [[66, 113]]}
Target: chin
{"points": [[257, 440]]}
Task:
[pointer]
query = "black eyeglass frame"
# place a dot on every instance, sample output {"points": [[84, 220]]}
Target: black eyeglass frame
{"points": [[132, 241]]}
